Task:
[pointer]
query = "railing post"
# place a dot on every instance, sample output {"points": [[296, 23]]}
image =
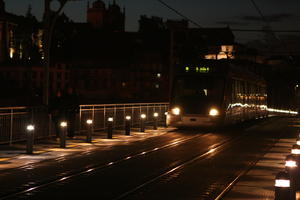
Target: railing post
{"points": [[80, 118], [104, 117], [11, 126]]}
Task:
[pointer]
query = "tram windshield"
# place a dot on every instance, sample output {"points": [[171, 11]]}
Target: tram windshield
{"points": [[197, 94]]}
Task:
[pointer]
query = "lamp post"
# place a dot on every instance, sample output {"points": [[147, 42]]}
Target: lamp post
{"points": [[155, 115], [50, 18], [63, 133], [29, 146], [90, 130], [127, 125], [143, 118], [110, 122]]}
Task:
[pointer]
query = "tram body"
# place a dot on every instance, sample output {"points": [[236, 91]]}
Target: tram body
{"points": [[215, 93]]}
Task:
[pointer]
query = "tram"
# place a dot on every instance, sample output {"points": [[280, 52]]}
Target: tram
{"points": [[215, 93]]}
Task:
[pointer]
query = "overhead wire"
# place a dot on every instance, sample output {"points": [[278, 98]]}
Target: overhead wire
{"points": [[269, 30], [179, 13]]}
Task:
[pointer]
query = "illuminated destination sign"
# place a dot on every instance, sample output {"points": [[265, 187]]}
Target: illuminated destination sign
{"points": [[197, 69]]}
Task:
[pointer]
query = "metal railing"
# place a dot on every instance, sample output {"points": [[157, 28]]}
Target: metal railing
{"points": [[100, 113], [13, 122]]}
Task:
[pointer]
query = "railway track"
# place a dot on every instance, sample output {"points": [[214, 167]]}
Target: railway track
{"points": [[96, 167]]}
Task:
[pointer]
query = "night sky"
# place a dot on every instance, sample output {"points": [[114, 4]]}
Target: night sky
{"points": [[238, 14]]}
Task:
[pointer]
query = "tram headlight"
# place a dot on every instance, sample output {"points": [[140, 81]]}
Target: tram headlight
{"points": [[213, 112], [176, 111]]}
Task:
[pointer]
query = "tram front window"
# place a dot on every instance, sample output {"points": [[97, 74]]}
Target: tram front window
{"points": [[195, 95]]}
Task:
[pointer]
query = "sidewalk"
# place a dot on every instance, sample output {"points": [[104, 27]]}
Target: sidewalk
{"points": [[14, 156], [258, 182]]}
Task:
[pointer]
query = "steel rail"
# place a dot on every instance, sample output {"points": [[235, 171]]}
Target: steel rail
{"points": [[99, 166], [242, 173], [213, 148]]}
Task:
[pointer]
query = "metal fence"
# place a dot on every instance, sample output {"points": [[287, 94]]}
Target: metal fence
{"points": [[13, 122], [100, 114]]}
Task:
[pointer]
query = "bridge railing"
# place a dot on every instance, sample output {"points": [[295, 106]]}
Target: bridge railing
{"points": [[13, 122], [100, 113]]}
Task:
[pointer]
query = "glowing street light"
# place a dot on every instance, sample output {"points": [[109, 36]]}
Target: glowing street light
{"points": [[89, 134], [30, 138], [127, 125], [143, 117], [110, 121], [63, 133]]}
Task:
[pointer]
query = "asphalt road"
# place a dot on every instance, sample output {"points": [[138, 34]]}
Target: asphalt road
{"points": [[183, 164]]}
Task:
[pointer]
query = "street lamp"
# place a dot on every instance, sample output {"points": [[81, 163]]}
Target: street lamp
{"points": [[29, 146], [63, 126], [52, 11], [127, 125], [110, 122], [90, 130], [155, 115], [143, 117]]}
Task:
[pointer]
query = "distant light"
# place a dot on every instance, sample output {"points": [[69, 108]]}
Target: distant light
{"points": [[157, 86], [213, 112], [298, 142], [11, 52], [63, 124], [143, 116], [155, 114], [89, 121], [128, 117], [110, 119], [176, 111], [158, 75], [30, 127], [187, 69]]}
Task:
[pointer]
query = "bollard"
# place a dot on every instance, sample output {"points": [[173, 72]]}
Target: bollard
{"points": [[127, 125], [291, 166], [155, 115], [290, 162], [283, 186], [63, 133], [30, 137], [110, 121], [90, 130], [295, 149], [166, 114], [143, 117]]}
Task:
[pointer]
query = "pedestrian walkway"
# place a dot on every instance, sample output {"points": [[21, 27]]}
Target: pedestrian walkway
{"points": [[258, 182], [14, 156]]}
